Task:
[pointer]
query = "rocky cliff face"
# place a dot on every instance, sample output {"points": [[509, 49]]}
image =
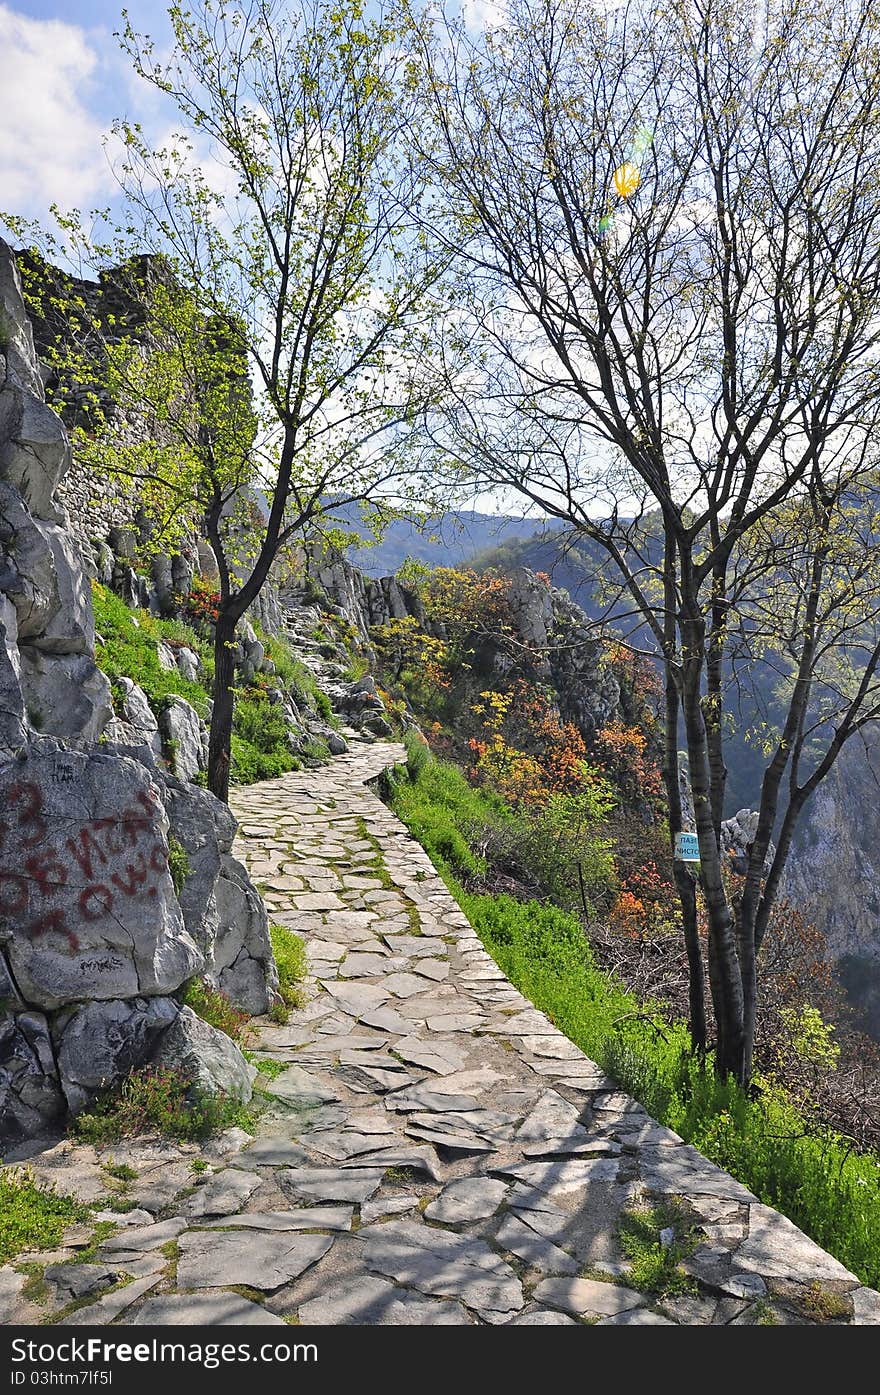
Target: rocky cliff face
{"points": [[568, 654], [94, 939], [833, 873]]}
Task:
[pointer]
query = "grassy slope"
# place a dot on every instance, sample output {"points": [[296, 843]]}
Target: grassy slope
{"points": [[829, 1191]]}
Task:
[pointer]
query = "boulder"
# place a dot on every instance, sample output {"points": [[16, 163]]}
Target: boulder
{"points": [[188, 664], [205, 828], [179, 723], [136, 712], [208, 1059], [13, 729], [31, 1101], [67, 695], [100, 1042], [241, 960], [87, 905], [34, 451]]}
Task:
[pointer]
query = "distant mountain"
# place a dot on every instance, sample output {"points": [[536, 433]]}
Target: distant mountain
{"points": [[450, 540]]}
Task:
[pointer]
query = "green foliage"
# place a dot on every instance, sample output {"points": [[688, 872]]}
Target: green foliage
{"points": [[260, 748], [178, 863], [32, 1216], [271, 1069], [655, 1267], [159, 1100], [290, 960], [213, 1007], [129, 650]]}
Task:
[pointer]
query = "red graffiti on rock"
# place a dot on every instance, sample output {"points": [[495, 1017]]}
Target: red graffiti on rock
{"points": [[96, 870]]}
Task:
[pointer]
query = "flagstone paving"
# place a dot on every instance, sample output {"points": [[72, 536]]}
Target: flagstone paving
{"points": [[433, 1150]]}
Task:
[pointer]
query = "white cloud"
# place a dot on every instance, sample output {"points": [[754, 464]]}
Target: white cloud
{"points": [[51, 148]]}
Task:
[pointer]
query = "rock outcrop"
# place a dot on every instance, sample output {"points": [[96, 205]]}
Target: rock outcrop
{"points": [[95, 939]]}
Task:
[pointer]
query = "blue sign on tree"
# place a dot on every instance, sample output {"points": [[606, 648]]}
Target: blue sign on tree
{"points": [[687, 847]]}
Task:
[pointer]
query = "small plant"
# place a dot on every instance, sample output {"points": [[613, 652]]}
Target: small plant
{"points": [[655, 1266], [32, 1216], [214, 1007], [159, 1100], [178, 863], [199, 1165], [271, 1069], [120, 1172], [290, 959], [280, 1014], [764, 1315], [822, 1304]]}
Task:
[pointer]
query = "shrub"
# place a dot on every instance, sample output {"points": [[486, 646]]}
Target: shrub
{"points": [[260, 746], [32, 1216], [157, 1099], [290, 960], [214, 1007]]}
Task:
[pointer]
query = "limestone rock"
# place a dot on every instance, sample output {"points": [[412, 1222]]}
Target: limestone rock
{"points": [[31, 1101], [66, 695], [242, 958], [136, 711], [86, 897], [100, 1042], [179, 723], [210, 1060]]}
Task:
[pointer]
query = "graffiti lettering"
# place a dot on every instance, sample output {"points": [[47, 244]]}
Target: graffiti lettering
{"points": [[95, 902], [82, 848], [29, 794], [48, 873], [136, 875], [54, 920], [13, 892]]}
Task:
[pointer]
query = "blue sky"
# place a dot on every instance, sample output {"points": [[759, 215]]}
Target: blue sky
{"points": [[63, 80]]}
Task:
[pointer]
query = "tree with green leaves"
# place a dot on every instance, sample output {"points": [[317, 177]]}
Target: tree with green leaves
{"points": [[285, 345], [670, 280]]}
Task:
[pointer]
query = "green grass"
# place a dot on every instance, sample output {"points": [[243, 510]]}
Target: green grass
{"points": [[32, 1216], [290, 960], [129, 650], [655, 1267], [828, 1189], [260, 749], [214, 1008], [159, 1100]]}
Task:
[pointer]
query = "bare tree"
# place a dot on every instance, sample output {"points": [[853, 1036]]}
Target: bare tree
{"points": [[671, 295], [279, 210]]}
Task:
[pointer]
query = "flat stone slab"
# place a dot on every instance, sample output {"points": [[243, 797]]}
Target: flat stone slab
{"points": [[429, 1097], [342, 1144], [356, 998], [274, 1152], [454, 1022], [300, 1086], [442, 1263], [536, 1250], [562, 1177], [259, 1259], [775, 1248], [551, 1117], [368, 1301], [404, 985], [298, 1218], [467, 1199], [441, 1059], [204, 1310], [144, 1238], [385, 1019], [111, 1305], [587, 1297], [333, 1184], [223, 1194]]}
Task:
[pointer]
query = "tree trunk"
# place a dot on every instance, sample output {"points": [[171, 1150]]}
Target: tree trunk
{"points": [[724, 970], [220, 743], [685, 885]]}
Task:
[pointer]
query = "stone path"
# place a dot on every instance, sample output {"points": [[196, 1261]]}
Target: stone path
{"points": [[435, 1151]]}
